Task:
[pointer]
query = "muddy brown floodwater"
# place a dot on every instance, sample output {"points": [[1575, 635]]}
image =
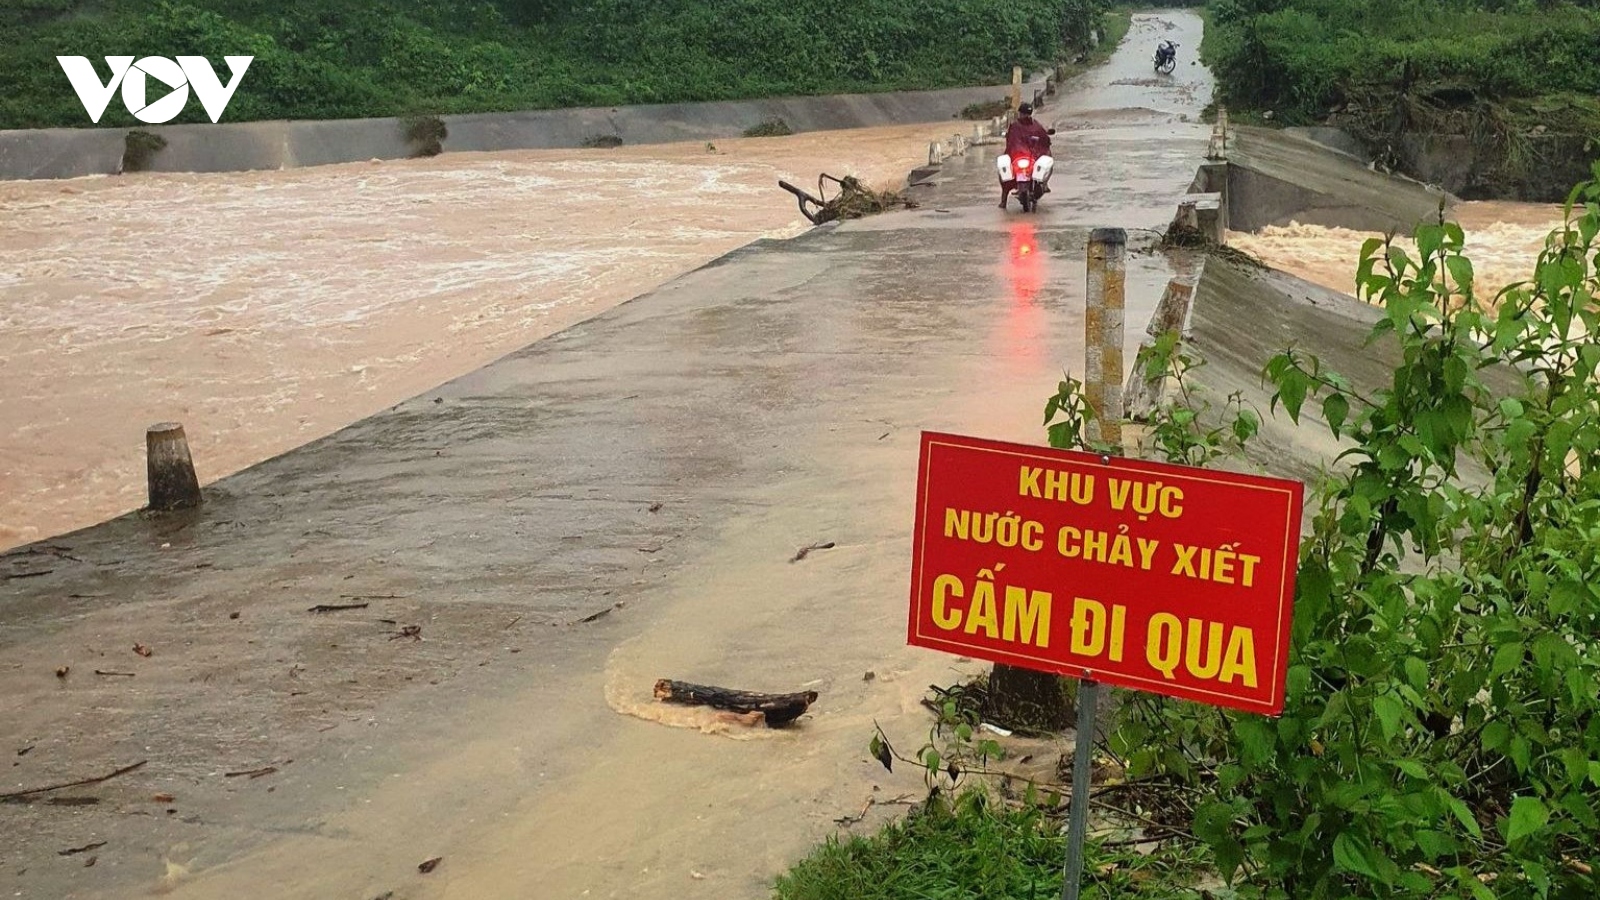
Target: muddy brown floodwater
{"points": [[265, 310], [1503, 242]]}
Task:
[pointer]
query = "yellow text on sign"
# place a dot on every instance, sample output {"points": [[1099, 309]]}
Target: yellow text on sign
{"points": [[1022, 616], [1210, 651]]}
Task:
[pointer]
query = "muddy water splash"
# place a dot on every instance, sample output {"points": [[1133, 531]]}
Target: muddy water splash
{"points": [[1503, 241], [265, 310]]}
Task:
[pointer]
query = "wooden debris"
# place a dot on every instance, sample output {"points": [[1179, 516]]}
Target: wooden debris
{"points": [[804, 551], [595, 617], [337, 607], [853, 201], [429, 865], [84, 849], [33, 574], [252, 773], [777, 710], [19, 795]]}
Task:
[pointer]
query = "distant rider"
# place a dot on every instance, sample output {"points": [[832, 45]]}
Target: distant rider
{"points": [[1017, 141], [1166, 51]]}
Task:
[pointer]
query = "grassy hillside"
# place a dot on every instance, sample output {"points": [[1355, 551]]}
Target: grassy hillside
{"points": [[1517, 79], [351, 58]]}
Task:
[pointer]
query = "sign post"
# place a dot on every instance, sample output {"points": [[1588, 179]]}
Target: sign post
{"points": [[1082, 773], [1164, 578], [1104, 282], [1157, 577]]}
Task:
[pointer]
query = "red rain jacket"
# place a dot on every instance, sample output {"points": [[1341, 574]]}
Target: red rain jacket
{"points": [[1019, 132]]}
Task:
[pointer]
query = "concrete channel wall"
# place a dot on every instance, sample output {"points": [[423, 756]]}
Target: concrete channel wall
{"points": [[247, 146], [1235, 316]]}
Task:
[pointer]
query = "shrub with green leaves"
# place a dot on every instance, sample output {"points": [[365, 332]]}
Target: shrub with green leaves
{"points": [[1300, 58], [1441, 736]]}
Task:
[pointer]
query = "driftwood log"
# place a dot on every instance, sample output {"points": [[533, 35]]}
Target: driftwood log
{"points": [[777, 710], [853, 201]]}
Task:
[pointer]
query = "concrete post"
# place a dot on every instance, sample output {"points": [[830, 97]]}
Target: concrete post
{"points": [[1102, 323], [1016, 87], [977, 133], [933, 154], [172, 482]]}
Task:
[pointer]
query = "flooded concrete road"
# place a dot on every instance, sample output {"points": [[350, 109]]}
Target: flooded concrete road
{"points": [[538, 541]]}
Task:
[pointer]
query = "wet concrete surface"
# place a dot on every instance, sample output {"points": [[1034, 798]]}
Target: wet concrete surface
{"points": [[618, 503], [1243, 316], [1278, 177]]}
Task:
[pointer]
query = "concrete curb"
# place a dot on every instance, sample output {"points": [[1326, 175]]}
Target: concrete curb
{"points": [[253, 146], [1253, 178]]}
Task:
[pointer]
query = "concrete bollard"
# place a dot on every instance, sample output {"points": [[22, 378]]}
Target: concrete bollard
{"points": [[172, 482], [1144, 395], [1102, 323], [933, 154], [977, 133]]}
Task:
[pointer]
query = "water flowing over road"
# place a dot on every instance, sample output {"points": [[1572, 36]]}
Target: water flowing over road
{"points": [[265, 310], [617, 503]]}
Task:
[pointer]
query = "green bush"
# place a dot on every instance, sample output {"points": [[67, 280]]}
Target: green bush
{"points": [[1441, 733], [773, 127], [1299, 58], [139, 148]]}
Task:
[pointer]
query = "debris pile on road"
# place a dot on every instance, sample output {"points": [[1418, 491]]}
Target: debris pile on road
{"points": [[854, 200]]}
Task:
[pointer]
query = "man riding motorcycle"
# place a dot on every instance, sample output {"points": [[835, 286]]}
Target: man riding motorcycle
{"points": [[1166, 55], [1018, 142]]}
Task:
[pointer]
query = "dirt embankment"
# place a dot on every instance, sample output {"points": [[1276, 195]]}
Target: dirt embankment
{"points": [[1479, 149]]}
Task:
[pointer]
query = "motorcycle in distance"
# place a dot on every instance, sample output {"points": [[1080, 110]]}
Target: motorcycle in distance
{"points": [[1024, 171], [1166, 57]]}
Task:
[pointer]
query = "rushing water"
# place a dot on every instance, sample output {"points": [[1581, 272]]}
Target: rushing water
{"points": [[1503, 241], [264, 310]]}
